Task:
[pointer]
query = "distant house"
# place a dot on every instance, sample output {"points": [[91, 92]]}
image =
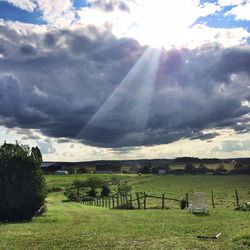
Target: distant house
{"points": [[108, 169], [61, 172]]}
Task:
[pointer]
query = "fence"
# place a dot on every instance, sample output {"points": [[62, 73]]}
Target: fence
{"points": [[136, 201], [145, 201]]}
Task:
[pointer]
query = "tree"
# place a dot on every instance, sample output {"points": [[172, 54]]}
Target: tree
{"points": [[105, 191], [82, 171], [202, 168], [145, 169], [36, 155], [22, 185], [124, 189], [189, 168], [93, 184]]}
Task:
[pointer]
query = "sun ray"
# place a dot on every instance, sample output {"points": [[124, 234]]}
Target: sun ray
{"points": [[127, 107]]}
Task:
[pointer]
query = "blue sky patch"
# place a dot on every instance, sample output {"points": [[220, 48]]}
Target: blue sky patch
{"points": [[12, 13], [220, 20], [78, 4]]}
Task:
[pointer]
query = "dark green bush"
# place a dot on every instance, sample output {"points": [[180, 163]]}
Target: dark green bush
{"points": [[72, 194], [183, 204], [105, 191], [82, 171], [22, 185], [54, 190], [124, 189]]}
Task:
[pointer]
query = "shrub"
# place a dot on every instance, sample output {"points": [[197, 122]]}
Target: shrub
{"points": [[240, 168], [115, 180], [72, 195], [54, 190], [220, 170], [189, 168], [145, 170], [183, 204], [124, 189], [82, 171], [125, 206], [80, 188], [105, 191], [244, 207], [22, 185]]}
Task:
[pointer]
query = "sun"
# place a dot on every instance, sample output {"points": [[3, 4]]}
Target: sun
{"points": [[163, 23]]}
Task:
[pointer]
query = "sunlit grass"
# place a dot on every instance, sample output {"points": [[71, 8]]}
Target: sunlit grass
{"points": [[76, 226]]}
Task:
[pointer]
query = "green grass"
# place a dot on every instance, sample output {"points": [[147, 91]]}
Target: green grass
{"points": [[75, 226]]}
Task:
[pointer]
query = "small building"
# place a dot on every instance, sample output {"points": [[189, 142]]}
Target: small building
{"points": [[61, 172]]}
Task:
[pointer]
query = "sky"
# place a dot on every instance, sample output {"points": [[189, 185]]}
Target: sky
{"points": [[126, 79]]}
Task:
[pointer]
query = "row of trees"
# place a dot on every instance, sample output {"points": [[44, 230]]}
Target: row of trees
{"points": [[93, 187]]}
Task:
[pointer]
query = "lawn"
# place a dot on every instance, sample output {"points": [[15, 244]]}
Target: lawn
{"points": [[70, 225]]}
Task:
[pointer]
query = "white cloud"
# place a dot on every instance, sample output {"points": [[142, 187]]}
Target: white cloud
{"points": [[225, 3], [162, 22], [202, 34], [59, 12], [229, 146], [165, 24], [241, 12], [28, 5]]}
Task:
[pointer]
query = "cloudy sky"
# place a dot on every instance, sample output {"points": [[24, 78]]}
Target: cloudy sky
{"points": [[126, 79]]}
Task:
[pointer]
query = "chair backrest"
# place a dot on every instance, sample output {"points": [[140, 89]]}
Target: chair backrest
{"points": [[199, 199]]}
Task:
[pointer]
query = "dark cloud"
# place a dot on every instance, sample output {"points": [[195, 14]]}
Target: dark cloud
{"points": [[204, 136], [232, 61], [1, 49], [111, 5], [27, 50], [75, 86], [49, 39]]}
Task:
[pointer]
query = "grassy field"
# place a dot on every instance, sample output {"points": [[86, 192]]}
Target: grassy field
{"points": [[75, 226]]}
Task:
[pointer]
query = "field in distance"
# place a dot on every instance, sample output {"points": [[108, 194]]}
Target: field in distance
{"points": [[70, 225]]}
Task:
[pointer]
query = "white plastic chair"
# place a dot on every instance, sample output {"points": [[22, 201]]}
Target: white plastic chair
{"points": [[198, 203]]}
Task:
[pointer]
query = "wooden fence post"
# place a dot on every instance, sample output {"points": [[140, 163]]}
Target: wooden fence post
{"points": [[131, 200], [113, 201], [138, 200], [213, 199], [237, 198], [187, 199], [163, 201], [109, 201], [145, 201], [117, 200]]}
